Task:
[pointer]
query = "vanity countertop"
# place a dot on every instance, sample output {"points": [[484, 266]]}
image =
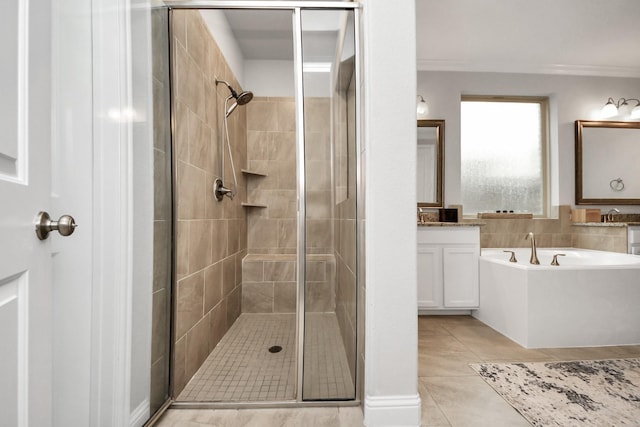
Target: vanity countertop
{"points": [[606, 224], [451, 224]]}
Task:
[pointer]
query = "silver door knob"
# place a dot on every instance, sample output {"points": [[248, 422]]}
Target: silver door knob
{"points": [[65, 225]]}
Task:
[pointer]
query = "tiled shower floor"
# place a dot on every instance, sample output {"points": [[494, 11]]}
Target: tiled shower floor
{"points": [[241, 368]]}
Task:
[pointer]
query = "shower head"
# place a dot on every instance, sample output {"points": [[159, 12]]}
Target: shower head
{"points": [[242, 98]]}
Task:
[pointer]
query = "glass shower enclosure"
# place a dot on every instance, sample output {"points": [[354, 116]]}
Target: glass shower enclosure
{"points": [[280, 258]]}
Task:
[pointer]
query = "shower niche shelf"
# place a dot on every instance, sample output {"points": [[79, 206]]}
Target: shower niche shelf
{"points": [[253, 173], [253, 205], [249, 174]]}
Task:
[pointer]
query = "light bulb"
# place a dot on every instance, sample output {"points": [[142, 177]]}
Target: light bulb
{"points": [[422, 109], [609, 110]]}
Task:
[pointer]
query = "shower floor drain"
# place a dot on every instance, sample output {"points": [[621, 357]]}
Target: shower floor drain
{"points": [[275, 349]]}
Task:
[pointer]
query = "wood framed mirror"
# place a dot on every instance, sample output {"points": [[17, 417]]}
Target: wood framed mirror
{"points": [[607, 171], [430, 167]]}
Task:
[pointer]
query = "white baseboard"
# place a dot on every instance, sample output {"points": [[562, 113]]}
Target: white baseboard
{"points": [[392, 411], [442, 312], [140, 415]]}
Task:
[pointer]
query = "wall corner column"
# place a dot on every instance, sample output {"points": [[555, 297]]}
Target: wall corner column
{"points": [[391, 350]]}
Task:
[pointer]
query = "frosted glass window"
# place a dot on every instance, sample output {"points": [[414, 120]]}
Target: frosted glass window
{"points": [[502, 155]]}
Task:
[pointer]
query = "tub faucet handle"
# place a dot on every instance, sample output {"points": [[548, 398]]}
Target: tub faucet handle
{"points": [[554, 261], [513, 256]]}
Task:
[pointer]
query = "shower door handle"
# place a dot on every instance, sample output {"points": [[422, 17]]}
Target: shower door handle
{"points": [[65, 225]]}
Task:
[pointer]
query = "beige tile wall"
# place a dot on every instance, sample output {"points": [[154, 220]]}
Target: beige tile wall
{"points": [[561, 232], [211, 235], [320, 295], [320, 205], [344, 154], [272, 231], [511, 233], [271, 149], [613, 239], [269, 283]]}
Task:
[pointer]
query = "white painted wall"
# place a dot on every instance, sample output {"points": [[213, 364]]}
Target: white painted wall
{"points": [[269, 78], [275, 78], [143, 211], [571, 98], [221, 32], [391, 349], [587, 37]]}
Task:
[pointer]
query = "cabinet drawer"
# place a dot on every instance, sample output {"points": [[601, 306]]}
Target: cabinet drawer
{"points": [[449, 235]]}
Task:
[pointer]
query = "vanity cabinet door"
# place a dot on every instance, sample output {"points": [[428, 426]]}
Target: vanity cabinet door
{"points": [[633, 240], [429, 277], [460, 276]]}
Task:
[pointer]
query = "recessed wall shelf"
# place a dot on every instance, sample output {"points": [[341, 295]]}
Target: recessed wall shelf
{"points": [[252, 173], [253, 205]]}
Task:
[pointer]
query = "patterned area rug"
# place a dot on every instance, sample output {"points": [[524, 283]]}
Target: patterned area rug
{"points": [[580, 393]]}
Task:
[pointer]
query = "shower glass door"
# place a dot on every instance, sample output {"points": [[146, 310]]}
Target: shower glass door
{"points": [[265, 311], [328, 73]]}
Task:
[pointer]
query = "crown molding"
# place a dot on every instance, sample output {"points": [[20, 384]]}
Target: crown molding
{"points": [[555, 69]]}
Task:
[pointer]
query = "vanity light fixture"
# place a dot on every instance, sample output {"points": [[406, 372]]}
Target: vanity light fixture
{"points": [[422, 109], [611, 108]]}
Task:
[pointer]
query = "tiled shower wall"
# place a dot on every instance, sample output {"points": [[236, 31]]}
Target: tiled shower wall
{"points": [[344, 155], [320, 209], [271, 149], [270, 285], [211, 235]]}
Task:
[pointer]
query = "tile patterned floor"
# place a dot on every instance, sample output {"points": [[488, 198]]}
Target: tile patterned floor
{"points": [[241, 368], [452, 394], [300, 417], [326, 372]]}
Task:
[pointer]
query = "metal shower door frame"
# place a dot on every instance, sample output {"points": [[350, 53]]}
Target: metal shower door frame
{"points": [[296, 7]]}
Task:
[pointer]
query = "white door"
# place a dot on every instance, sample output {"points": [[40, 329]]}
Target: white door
{"points": [[45, 165], [25, 261], [65, 302]]}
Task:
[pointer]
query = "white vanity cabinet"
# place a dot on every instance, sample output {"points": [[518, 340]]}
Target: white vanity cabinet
{"points": [[448, 267]]}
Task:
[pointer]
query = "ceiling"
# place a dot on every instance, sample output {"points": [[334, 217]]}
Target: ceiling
{"points": [[583, 37], [268, 34]]}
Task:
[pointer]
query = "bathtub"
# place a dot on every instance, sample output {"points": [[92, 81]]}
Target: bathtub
{"points": [[591, 299]]}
